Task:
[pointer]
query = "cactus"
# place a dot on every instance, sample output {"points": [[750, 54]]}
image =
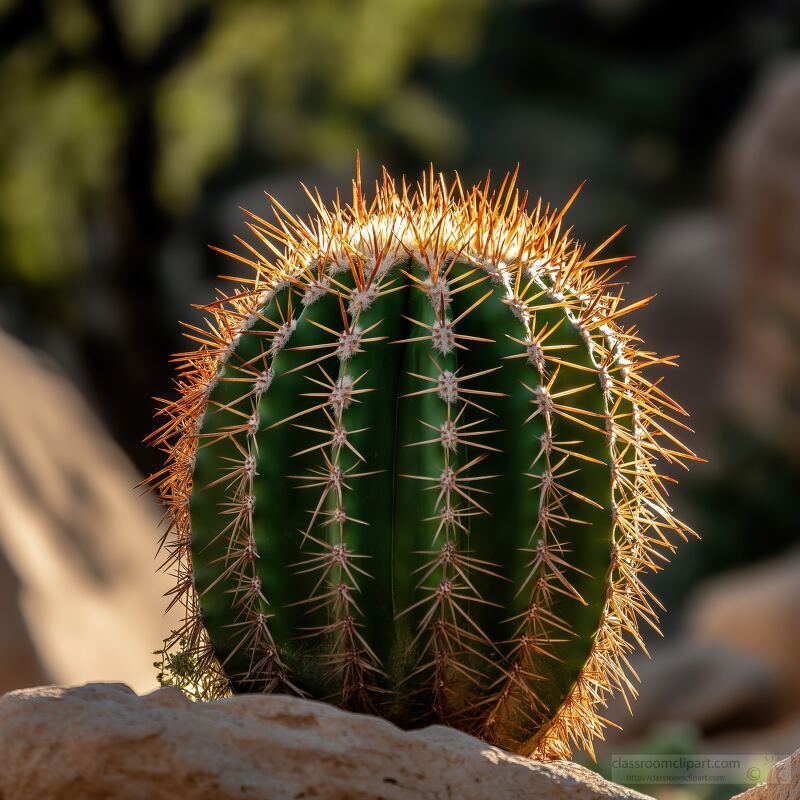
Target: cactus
{"points": [[412, 467]]}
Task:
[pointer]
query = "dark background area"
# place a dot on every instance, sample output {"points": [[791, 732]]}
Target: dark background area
{"points": [[131, 132]]}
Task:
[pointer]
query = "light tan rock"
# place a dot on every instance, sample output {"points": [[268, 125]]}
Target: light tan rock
{"points": [[779, 739], [783, 782], [755, 611], [686, 259], [762, 171], [706, 685], [80, 598], [730, 276], [103, 741]]}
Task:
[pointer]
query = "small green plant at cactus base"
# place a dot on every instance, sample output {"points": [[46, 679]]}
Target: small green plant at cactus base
{"points": [[412, 468]]}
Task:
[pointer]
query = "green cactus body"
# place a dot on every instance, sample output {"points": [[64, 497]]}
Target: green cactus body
{"points": [[412, 472]]}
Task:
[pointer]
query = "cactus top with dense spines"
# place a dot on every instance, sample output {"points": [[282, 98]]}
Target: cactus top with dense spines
{"points": [[412, 467]]}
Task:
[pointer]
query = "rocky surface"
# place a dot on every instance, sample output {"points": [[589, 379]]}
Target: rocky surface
{"points": [[783, 782], [762, 176], [79, 596], [104, 741], [730, 672], [729, 274], [687, 260], [755, 612], [704, 684]]}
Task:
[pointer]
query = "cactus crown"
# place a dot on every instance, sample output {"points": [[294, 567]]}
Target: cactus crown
{"points": [[411, 467]]}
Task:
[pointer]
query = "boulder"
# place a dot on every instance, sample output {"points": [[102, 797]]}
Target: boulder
{"points": [[755, 611], [103, 741], [703, 684], [779, 739], [783, 782], [729, 274], [687, 260], [730, 671], [762, 176], [80, 598]]}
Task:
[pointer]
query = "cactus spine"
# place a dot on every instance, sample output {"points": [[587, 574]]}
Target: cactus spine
{"points": [[412, 467]]}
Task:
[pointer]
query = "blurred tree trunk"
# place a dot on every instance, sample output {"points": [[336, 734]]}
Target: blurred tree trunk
{"points": [[128, 369]]}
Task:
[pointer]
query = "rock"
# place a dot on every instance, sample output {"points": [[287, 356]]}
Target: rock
{"points": [[779, 738], [686, 260], [79, 595], [729, 275], [730, 674], [19, 663], [102, 740], [730, 671], [755, 612], [783, 782], [703, 684], [762, 172]]}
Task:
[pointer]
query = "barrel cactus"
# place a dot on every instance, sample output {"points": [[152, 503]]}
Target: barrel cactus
{"points": [[412, 467]]}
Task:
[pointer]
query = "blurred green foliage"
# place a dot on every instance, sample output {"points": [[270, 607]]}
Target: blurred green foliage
{"points": [[126, 125], [120, 119], [292, 77]]}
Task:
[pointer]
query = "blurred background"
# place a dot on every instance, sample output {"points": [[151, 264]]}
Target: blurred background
{"points": [[132, 130]]}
